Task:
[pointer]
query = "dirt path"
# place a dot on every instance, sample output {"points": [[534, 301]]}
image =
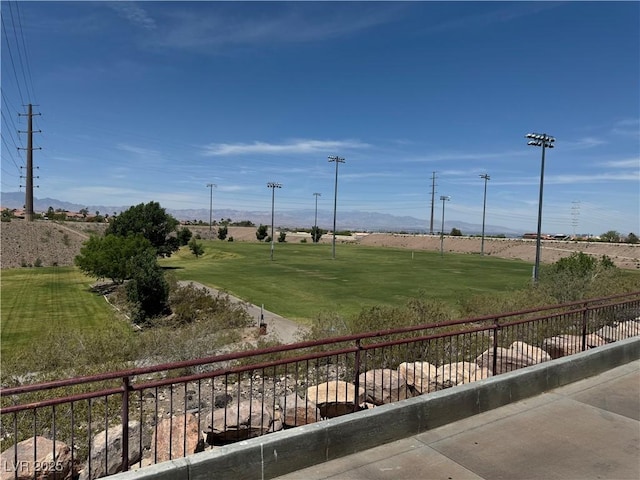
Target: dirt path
{"points": [[278, 328]]}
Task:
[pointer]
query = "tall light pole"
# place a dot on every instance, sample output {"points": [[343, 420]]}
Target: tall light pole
{"points": [[545, 141], [484, 209], [335, 158], [315, 222], [273, 186], [211, 185], [444, 198]]}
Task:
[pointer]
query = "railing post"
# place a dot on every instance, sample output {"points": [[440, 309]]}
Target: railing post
{"points": [[356, 380], [496, 329], [126, 387], [585, 317]]}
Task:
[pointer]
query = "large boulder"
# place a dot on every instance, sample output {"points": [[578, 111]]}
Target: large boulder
{"points": [[620, 331], [384, 385], [45, 464], [176, 437], [518, 355], [248, 419], [451, 374], [106, 451], [564, 345], [296, 411], [336, 398], [420, 376]]}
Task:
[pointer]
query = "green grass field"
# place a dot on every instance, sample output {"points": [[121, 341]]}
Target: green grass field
{"points": [[36, 300], [303, 279], [301, 282]]}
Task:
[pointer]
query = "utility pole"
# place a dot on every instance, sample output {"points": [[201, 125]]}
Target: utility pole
{"points": [[273, 186], [484, 209], [575, 213], [211, 185], [29, 213], [433, 193], [315, 222], [444, 198], [335, 158]]}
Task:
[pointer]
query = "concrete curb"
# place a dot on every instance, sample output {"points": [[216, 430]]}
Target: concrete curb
{"points": [[286, 451]]}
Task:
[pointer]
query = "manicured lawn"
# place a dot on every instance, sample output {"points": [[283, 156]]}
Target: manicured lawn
{"points": [[303, 279], [36, 300]]}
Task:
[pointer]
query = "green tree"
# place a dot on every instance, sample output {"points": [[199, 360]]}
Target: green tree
{"points": [[261, 232], [572, 278], [282, 237], [611, 236], [196, 248], [110, 256], [316, 233], [152, 222], [455, 232], [632, 238], [222, 232], [184, 235], [147, 290]]}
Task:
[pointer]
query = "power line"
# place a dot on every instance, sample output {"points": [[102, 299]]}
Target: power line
{"points": [[13, 65], [26, 54]]}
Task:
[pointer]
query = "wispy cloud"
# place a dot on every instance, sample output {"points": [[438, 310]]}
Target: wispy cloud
{"points": [[134, 14], [293, 147], [221, 24], [580, 144], [627, 127], [628, 163], [139, 151]]}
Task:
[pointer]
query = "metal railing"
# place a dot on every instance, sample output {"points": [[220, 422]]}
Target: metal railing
{"points": [[166, 411]]}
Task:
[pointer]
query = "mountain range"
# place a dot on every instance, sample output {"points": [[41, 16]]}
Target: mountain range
{"points": [[303, 218]]}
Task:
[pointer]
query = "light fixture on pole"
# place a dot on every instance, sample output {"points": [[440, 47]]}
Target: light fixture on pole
{"points": [[273, 186], [211, 185], [545, 141], [315, 222], [444, 198], [335, 158], [484, 209]]}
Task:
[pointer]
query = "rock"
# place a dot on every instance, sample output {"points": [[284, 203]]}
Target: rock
{"points": [[47, 465], [533, 354], [171, 436], [452, 374], [620, 331], [563, 345], [248, 419], [297, 411], [384, 386], [419, 375], [335, 398], [507, 360], [107, 445]]}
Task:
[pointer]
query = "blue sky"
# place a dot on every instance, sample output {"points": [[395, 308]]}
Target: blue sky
{"points": [[145, 101]]}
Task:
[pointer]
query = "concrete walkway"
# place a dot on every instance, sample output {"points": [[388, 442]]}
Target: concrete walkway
{"points": [[278, 328], [586, 430]]}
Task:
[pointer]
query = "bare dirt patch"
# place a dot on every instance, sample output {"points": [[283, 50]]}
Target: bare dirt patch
{"points": [[57, 243]]}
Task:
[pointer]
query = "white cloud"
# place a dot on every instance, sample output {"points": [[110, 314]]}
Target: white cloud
{"points": [[134, 14], [628, 163], [294, 147]]}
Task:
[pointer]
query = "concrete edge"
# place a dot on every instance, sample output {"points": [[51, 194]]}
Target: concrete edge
{"points": [[290, 450]]}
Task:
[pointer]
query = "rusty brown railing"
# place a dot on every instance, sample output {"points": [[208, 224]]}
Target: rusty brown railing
{"points": [[166, 411]]}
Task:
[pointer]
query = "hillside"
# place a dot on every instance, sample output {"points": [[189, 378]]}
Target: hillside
{"points": [[57, 243]]}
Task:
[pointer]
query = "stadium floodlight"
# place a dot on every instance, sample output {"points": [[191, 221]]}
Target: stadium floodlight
{"points": [[545, 141], [444, 198], [335, 158], [486, 178], [273, 186]]}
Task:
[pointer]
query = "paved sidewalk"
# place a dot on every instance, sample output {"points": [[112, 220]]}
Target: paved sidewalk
{"points": [[589, 429]]}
